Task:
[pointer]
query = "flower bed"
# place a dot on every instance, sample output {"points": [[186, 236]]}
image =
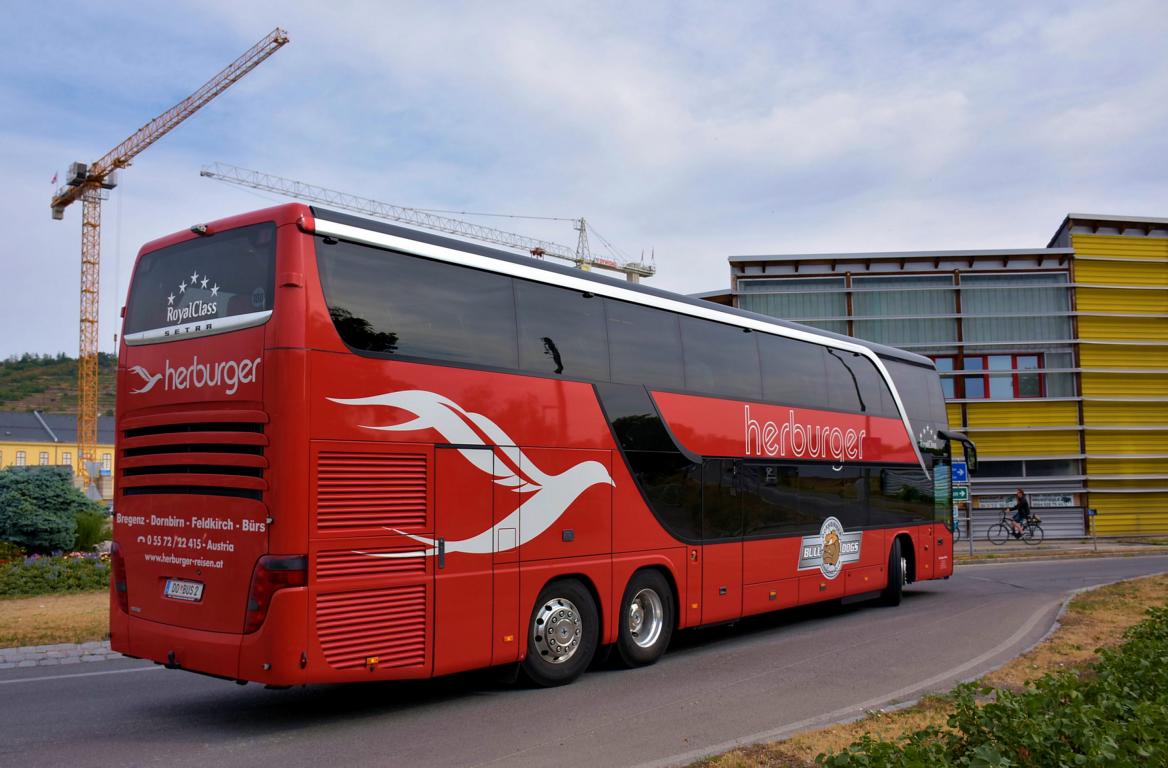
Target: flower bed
{"points": [[41, 574]]}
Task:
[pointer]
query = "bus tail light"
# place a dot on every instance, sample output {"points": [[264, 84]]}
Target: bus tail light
{"points": [[272, 573], [118, 575]]}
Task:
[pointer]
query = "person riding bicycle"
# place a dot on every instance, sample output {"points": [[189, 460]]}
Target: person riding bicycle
{"points": [[1021, 507]]}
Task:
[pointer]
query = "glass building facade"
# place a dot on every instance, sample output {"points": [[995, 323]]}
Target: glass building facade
{"points": [[1054, 360]]}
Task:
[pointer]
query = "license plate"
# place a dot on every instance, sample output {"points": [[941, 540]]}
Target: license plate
{"points": [[179, 589]]}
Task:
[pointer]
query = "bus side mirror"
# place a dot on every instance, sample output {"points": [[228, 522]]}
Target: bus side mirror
{"points": [[967, 447], [970, 456]]}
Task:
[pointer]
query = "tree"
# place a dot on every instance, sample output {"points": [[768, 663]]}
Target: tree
{"points": [[39, 507]]}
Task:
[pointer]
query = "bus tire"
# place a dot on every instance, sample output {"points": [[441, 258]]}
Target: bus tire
{"points": [[646, 619], [894, 590], [562, 635]]}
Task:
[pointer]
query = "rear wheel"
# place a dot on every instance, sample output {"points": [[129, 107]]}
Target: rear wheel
{"points": [[897, 573], [998, 533], [646, 619], [1032, 534], [562, 635]]}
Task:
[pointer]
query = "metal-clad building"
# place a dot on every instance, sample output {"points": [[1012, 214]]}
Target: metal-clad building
{"points": [[1054, 360]]}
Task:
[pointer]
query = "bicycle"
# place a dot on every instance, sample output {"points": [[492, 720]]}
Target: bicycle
{"points": [[1001, 531]]}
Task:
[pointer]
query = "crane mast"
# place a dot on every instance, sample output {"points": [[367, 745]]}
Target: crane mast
{"points": [[90, 184], [581, 256]]}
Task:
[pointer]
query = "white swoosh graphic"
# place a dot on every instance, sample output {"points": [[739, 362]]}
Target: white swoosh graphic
{"points": [[551, 495], [150, 380]]}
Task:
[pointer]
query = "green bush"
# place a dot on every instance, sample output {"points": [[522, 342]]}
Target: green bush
{"points": [[39, 508], [43, 575], [10, 551], [92, 529], [1116, 714]]}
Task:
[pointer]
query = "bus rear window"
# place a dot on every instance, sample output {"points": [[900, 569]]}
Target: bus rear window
{"points": [[195, 286]]}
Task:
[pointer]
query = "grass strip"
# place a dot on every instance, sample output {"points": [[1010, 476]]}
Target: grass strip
{"points": [[50, 619]]}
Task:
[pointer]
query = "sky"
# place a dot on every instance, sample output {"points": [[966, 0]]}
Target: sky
{"points": [[691, 131]]}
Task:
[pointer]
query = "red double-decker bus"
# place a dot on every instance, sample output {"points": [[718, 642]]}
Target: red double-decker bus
{"points": [[351, 451]]}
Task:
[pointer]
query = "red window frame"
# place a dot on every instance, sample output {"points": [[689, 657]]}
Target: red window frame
{"points": [[960, 389]]}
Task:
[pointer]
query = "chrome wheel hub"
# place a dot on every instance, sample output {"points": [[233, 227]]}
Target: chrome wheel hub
{"points": [[557, 630], [646, 618]]}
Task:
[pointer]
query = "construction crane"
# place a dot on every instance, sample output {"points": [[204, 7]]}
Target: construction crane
{"points": [[91, 184], [581, 257]]}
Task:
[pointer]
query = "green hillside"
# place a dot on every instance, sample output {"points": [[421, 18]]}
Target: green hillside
{"points": [[49, 383]]}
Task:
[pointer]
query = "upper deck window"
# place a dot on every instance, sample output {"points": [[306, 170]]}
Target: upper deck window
{"points": [[393, 304]]}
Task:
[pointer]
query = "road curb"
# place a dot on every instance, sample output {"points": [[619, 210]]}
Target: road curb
{"points": [[56, 655], [1071, 554]]}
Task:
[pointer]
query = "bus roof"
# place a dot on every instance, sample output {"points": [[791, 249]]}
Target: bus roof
{"points": [[433, 239]]}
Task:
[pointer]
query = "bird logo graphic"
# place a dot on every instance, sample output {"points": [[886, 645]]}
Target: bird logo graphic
{"points": [[545, 497], [150, 380]]}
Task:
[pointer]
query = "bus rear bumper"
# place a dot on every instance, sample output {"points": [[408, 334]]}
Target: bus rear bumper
{"points": [[272, 655]]}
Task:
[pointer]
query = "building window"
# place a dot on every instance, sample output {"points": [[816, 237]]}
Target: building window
{"points": [[20, 459], [1017, 469], [948, 384], [67, 458], [1012, 307], [993, 377], [107, 462], [43, 459], [820, 302], [904, 309]]}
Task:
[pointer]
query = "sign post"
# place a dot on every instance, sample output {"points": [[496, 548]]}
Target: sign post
{"points": [[1091, 519], [960, 476]]}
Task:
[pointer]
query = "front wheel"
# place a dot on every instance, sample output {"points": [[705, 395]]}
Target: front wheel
{"points": [[897, 574], [563, 634], [998, 533], [646, 619], [1032, 534]]}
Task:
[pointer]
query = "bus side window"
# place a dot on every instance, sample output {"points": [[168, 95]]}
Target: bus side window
{"points": [[720, 359], [828, 492], [875, 396], [843, 390], [644, 345], [770, 501], [561, 331], [415, 307], [792, 371]]}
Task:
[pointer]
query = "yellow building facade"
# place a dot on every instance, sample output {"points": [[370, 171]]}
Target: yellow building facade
{"points": [[1054, 360], [45, 439], [1120, 272]]}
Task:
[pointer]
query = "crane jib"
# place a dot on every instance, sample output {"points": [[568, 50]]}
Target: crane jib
{"points": [[89, 183]]}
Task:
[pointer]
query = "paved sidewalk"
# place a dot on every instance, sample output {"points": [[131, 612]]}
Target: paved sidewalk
{"points": [[53, 655], [1051, 548]]}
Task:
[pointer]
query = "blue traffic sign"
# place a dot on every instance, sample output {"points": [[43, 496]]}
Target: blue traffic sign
{"points": [[960, 472]]}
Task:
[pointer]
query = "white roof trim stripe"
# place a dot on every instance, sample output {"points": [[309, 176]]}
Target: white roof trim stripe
{"points": [[486, 263]]}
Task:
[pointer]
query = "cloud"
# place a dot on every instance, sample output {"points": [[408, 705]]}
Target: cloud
{"points": [[698, 130]]}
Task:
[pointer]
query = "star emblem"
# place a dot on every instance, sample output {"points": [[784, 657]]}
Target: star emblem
{"points": [[170, 300], [182, 287], [194, 277], [203, 282], [215, 289]]}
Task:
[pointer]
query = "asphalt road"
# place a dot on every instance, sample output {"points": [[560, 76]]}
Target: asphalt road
{"points": [[761, 679]]}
